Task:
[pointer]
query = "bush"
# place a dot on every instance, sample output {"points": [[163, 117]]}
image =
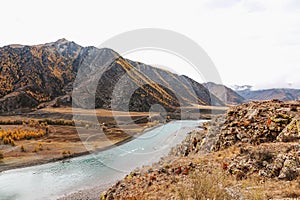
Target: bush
{"points": [[23, 149], [66, 154], [40, 146]]}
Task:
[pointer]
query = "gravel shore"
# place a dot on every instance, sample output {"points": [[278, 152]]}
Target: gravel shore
{"points": [[87, 194]]}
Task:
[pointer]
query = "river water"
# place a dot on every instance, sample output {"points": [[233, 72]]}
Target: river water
{"points": [[50, 181]]}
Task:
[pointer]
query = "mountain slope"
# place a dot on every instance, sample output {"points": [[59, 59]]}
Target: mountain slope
{"points": [[269, 94], [33, 76], [39, 73], [224, 93]]}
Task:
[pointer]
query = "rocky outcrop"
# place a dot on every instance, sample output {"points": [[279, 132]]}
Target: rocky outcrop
{"points": [[268, 135], [259, 122], [268, 160], [191, 144]]}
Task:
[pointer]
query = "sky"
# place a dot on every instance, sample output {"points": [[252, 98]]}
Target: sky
{"points": [[251, 42]]}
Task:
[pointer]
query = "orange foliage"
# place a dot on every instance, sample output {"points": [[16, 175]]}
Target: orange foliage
{"points": [[9, 136]]}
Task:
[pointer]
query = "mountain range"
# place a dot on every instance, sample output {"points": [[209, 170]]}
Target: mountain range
{"points": [[242, 94], [283, 94], [33, 77]]}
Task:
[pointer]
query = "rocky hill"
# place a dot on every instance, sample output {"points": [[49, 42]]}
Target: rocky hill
{"points": [[252, 152], [30, 75], [41, 75], [224, 93]]}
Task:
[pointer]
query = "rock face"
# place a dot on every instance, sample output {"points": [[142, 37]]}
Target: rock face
{"points": [[260, 122], [191, 144], [268, 135], [269, 160], [224, 93], [31, 75]]}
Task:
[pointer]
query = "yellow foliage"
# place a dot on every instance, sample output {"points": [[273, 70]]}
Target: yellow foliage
{"points": [[9, 136]]}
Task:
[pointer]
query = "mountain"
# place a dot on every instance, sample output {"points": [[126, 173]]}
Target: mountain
{"points": [[245, 93], [224, 93], [269, 94], [36, 76], [30, 75]]}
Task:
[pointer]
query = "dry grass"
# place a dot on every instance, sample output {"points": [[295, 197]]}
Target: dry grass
{"points": [[253, 187], [211, 181], [62, 135], [98, 112], [205, 185]]}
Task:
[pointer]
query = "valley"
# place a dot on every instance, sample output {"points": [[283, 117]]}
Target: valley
{"points": [[62, 140], [65, 108]]}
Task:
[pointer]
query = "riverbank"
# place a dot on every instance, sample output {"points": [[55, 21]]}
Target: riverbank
{"points": [[54, 151], [87, 194], [250, 153], [49, 158], [61, 141], [168, 140], [56, 179], [80, 150]]}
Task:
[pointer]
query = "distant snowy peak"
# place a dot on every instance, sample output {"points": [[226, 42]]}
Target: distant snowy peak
{"points": [[241, 87]]}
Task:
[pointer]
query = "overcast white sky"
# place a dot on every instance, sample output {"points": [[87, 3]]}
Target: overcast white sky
{"points": [[254, 42]]}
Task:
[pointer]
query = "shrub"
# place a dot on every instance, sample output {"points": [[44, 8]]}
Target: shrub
{"points": [[23, 148], [40, 146], [66, 154]]}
